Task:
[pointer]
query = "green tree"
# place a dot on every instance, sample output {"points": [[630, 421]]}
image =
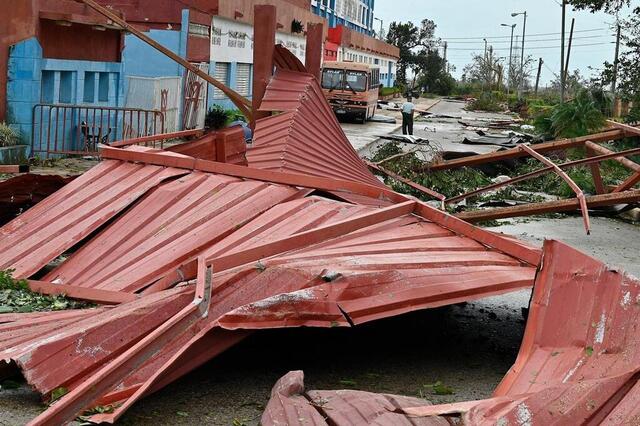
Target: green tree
{"points": [[407, 37], [432, 71], [609, 6]]}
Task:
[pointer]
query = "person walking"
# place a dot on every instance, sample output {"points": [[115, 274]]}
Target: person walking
{"points": [[407, 116]]}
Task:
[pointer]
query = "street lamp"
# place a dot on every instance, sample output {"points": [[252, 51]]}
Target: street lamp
{"points": [[381, 24], [513, 26], [524, 29]]}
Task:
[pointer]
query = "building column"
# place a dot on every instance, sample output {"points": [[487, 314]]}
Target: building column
{"points": [[264, 45], [314, 51]]}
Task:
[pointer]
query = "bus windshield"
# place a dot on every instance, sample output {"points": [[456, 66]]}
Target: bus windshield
{"points": [[356, 80], [332, 79]]}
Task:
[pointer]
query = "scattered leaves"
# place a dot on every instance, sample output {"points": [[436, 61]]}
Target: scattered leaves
{"points": [[438, 388], [588, 351], [58, 393]]}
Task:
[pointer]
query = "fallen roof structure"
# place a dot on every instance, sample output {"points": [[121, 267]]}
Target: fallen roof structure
{"points": [[185, 256], [582, 372]]}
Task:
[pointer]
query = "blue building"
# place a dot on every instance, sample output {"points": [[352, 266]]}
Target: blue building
{"points": [[356, 15]]}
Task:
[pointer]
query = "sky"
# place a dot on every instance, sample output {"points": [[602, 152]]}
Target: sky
{"points": [[464, 24]]}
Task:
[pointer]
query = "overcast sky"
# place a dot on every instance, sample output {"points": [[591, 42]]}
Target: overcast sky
{"points": [[464, 23]]}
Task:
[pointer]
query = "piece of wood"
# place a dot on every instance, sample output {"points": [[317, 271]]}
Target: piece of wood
{"points": [[572, 204], [507, 154], [154, 138]]}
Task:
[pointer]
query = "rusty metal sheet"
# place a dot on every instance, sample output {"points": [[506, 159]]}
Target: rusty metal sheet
{"points": [[291, 405], [44, 232], [585, 371], [306, 138]]}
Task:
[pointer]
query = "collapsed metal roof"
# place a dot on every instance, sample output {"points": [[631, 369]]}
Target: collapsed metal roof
{"points": [[578, 363]]}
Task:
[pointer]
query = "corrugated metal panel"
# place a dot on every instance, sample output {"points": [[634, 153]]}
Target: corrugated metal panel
{"points": [[74, 212], [284, 143], [290, 405], [243, 79], [578, 363], [285, 59]]}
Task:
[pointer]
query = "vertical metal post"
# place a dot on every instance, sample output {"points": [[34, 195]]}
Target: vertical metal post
{"points": [[510, 60], [313, 54], [264, 44], [524, 29], [562, 75]]}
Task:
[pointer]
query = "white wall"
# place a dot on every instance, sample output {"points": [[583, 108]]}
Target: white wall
{"points": [[227, 48]]}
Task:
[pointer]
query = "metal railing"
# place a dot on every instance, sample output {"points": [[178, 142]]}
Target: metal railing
{"points": [[64, 129]]}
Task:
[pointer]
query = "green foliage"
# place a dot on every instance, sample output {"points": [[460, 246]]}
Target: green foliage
{"points": [[218, 117], [449, 183], [486, 102], [407, 37], [386, 91], [296, 26], [8, 136], [578, 117], [438, 388], [609, 6], [15, 296], [433, 75], [58, 393]]}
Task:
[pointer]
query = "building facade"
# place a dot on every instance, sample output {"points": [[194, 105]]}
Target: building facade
{"points": [[357, 15]]}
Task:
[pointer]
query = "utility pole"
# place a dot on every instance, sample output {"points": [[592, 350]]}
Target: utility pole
{"points": [[510, 56], [566, 65], [538, 76], [562, 82], [490, 68], [615, 62], [524, 31], [446, 64], [615, 68]]}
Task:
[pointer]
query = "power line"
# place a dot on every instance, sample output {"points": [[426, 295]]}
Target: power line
{"points": [[528, 35], [528, 41], [534, 48]]}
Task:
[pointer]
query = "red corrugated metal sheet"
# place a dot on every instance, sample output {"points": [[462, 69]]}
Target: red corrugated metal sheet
{"points": [[579, 362], [283, 58], [44, 232], [290, 405], [306, 138]]}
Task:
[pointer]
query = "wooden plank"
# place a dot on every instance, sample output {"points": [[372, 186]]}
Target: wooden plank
{"points": [[153, 138], [550, 207], [562, 144]]}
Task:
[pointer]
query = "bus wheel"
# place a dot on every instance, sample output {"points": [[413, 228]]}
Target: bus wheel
{"points": [[363, 118]]}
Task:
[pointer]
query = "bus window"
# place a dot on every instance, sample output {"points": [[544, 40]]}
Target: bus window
{"points": [[356, 81], [332, 79]]}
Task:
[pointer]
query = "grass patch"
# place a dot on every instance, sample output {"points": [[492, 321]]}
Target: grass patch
{"points": [[16, 297]]}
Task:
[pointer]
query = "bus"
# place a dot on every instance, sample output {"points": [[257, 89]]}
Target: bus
{"points": [[351, 89]]}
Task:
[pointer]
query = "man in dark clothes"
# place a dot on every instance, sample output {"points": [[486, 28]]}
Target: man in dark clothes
{"points": [[407, 116]]}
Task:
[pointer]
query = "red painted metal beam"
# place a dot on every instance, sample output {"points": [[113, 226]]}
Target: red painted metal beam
{"points": [[314, 236], [326, 184], [609, 155], [103, 380], [154, 138], [264, 36], [566, 178], [313, 54], [14, 169], [103, 297], [429, 192], [629, 183]]}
